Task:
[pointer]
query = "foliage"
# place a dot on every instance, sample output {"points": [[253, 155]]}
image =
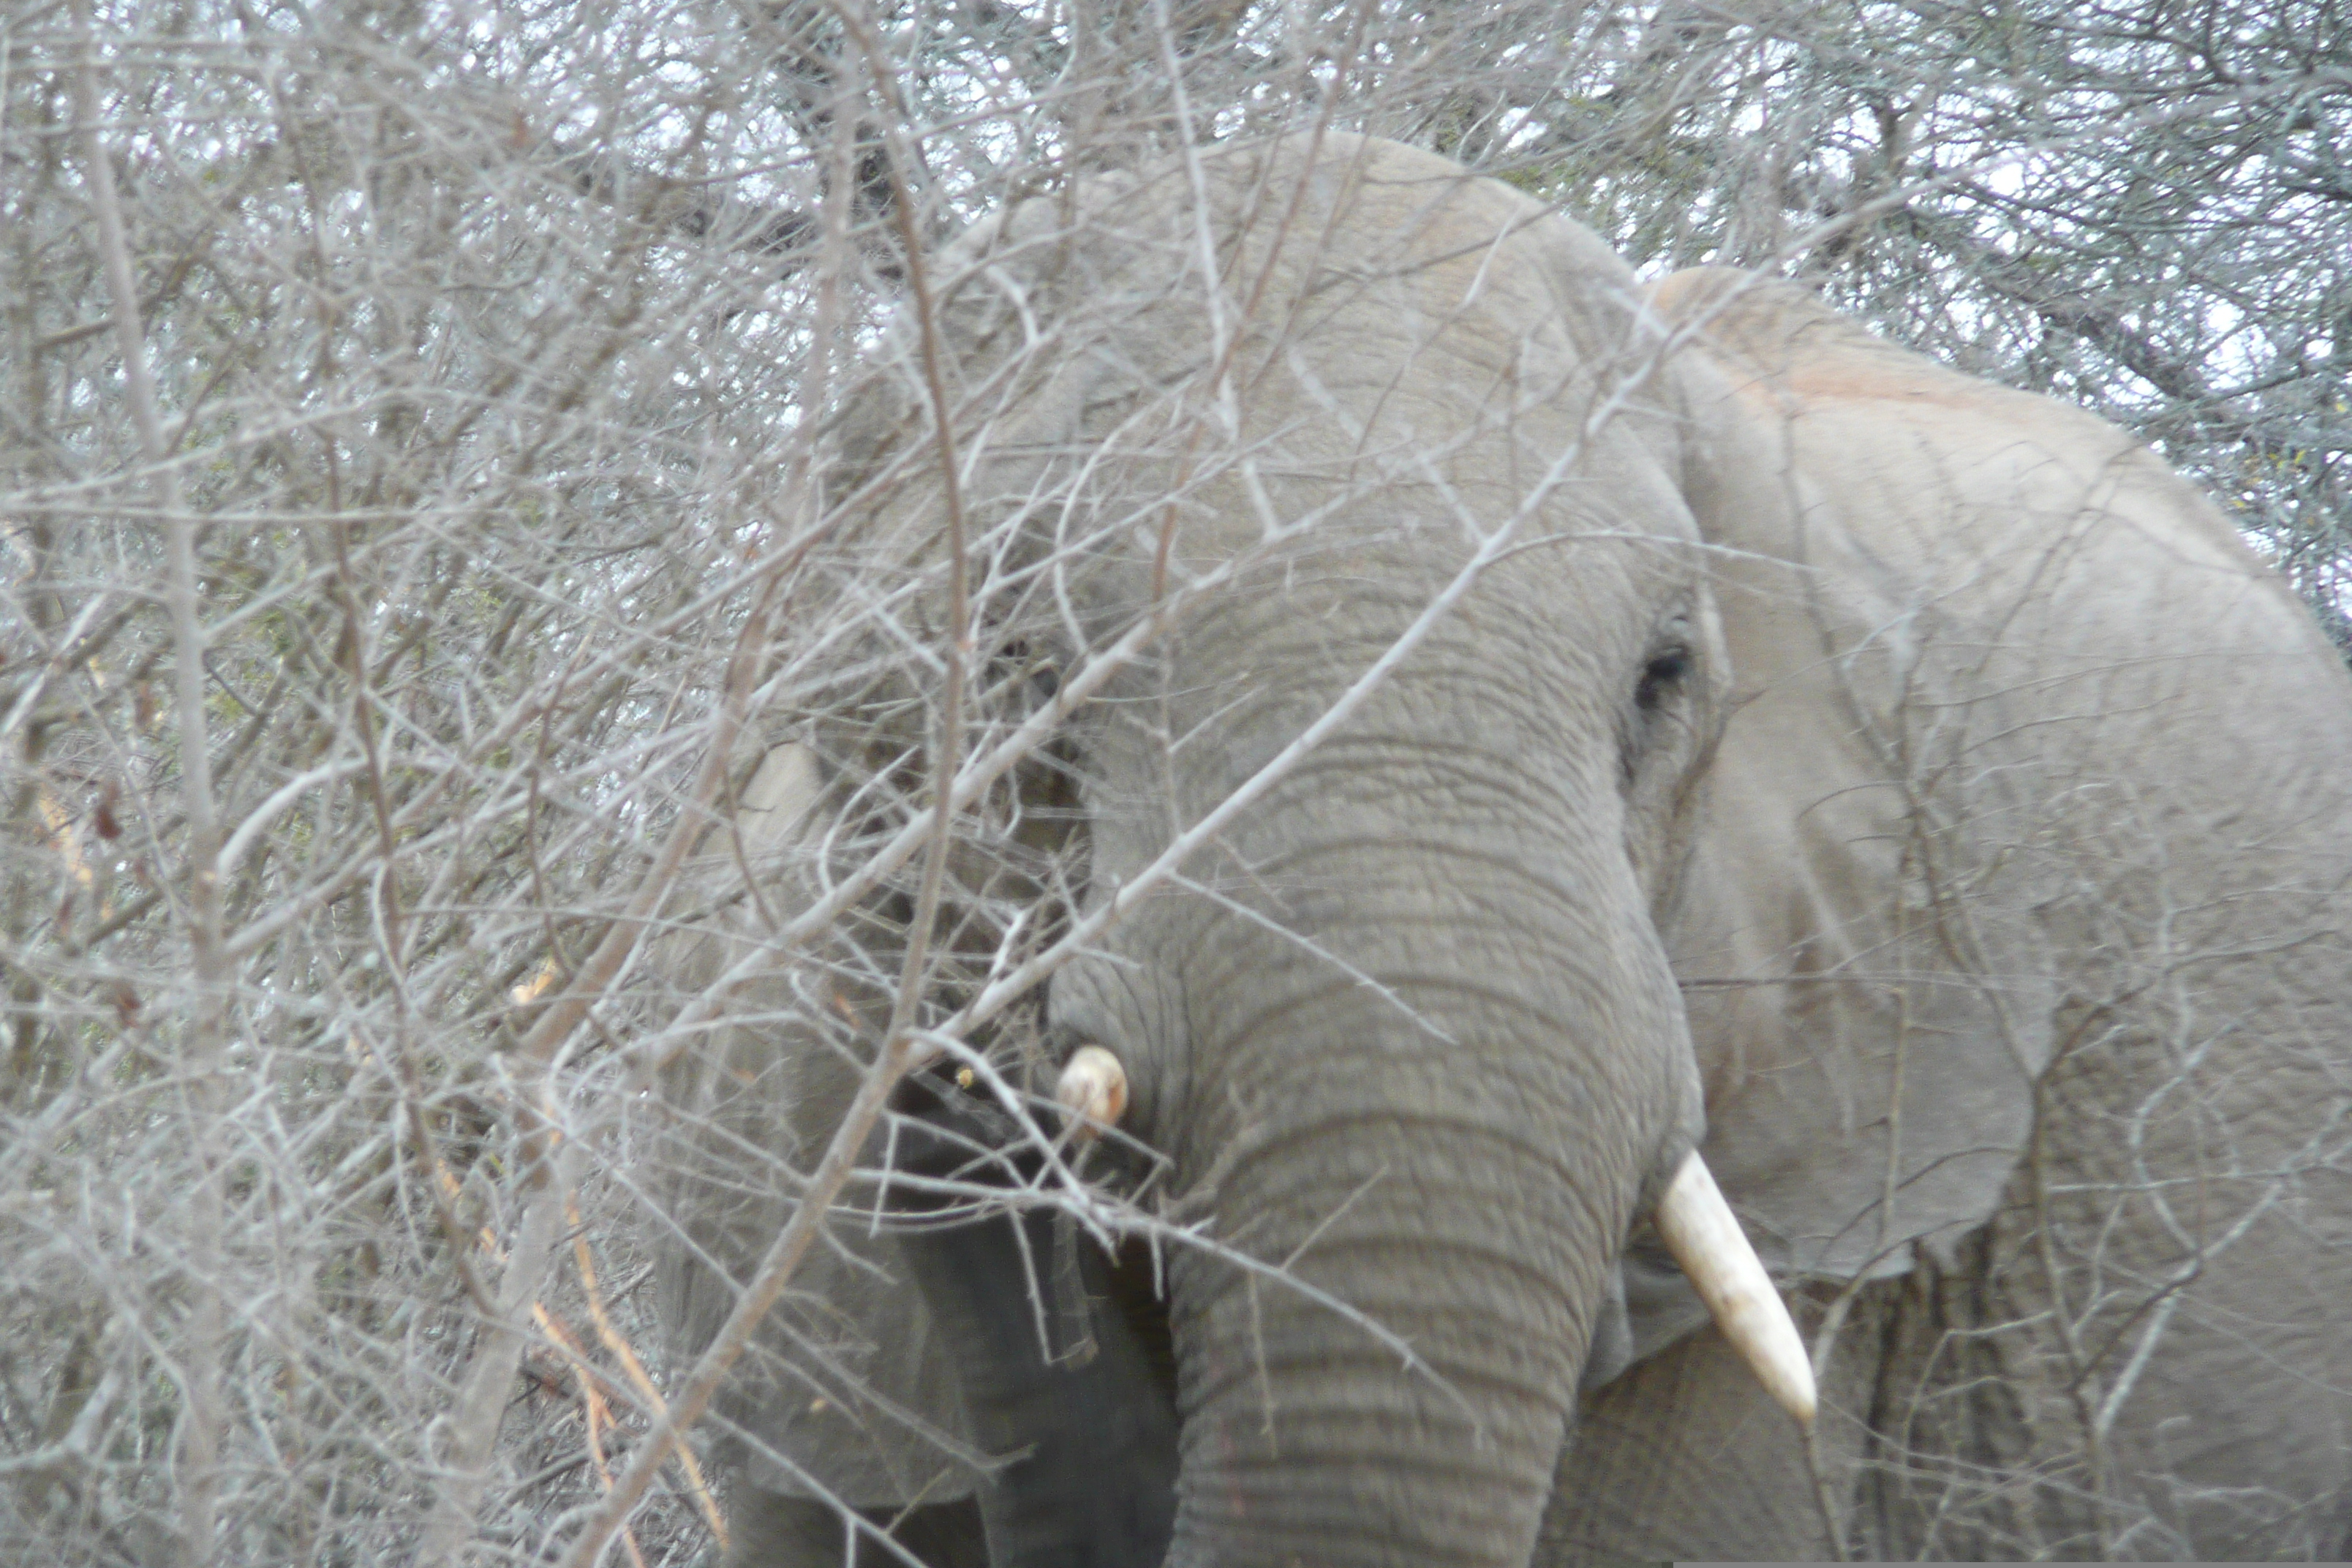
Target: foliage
{"points": [[476, 496]]}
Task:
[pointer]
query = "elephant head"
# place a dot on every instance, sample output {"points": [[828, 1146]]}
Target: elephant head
{"points": [[1462, 657], [1390, 812]]}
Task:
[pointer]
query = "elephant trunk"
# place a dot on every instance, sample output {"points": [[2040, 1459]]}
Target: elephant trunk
{"points": [[1431, 1177], [1426, 1430]]}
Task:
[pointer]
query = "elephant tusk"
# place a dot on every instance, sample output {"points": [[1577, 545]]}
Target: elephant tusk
{"points": [[1699, 1229], [1093, 1090]]}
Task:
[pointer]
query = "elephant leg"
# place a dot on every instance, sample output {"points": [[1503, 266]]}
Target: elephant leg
{"points": [[1097, 1485], [2173, 1391], [1684, 1455], [772, 1530], [1090, 1415]]}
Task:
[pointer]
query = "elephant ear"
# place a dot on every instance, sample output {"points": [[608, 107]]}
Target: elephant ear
{"points": [[1870, 986], [848, 1389]]}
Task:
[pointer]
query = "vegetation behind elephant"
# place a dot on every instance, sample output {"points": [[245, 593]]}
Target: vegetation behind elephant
{"points": [[1905, 787]]}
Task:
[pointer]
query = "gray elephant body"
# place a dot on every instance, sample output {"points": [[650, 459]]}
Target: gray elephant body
{"points": [[1990, 803]]}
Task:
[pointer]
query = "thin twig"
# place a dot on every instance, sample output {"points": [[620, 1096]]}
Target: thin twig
{"points": [[203, 1412]]}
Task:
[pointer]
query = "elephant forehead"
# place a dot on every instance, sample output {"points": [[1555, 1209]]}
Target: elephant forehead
{"points": [[1351, 314]]}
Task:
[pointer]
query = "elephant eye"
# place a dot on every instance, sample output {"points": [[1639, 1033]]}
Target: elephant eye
{"points": [[1659, 678]]}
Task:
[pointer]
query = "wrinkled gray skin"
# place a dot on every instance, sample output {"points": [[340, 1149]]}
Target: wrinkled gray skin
{"points": [[1904, 785]]}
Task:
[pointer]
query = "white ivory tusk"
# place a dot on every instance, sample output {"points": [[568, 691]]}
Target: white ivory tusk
{"points": [[1093, 1090], [1699, 1229]]}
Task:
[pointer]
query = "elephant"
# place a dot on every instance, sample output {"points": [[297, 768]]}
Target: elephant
{"points": [[1530, 727]]}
